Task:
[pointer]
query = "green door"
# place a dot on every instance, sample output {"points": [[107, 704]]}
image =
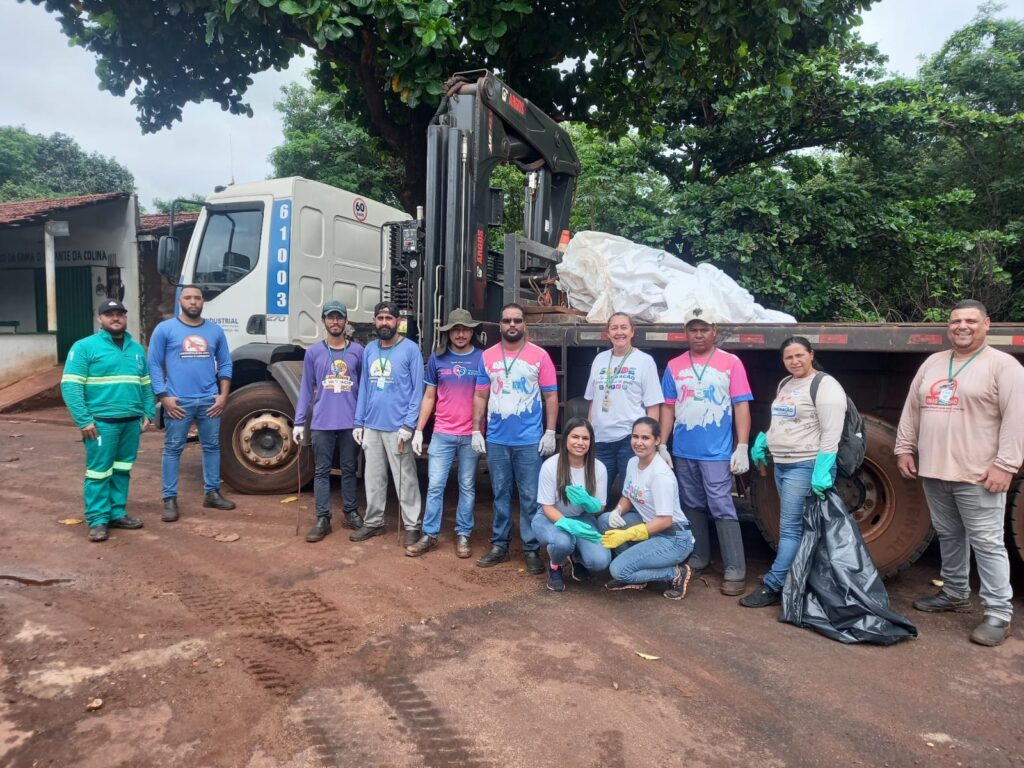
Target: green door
{"points": [[74, 307]]}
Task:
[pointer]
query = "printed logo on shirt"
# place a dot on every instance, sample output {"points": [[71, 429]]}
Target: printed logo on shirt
{"points": [[338, 381], [942, 394], [702, 402], [636, 493], [194, 346], [623, 380], [381, 371], [513, 396], [785, 410], [458, 371]]}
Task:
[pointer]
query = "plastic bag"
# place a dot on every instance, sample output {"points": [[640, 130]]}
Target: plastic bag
{"points": [[833, 586]]}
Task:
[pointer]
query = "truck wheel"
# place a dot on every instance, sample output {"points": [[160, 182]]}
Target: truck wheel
{"points": [[1015, 520], [256, 447], [891, 511]]}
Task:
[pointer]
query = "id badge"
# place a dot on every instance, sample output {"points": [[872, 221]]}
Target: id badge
{"points": [[380, 382], [605, 405], [698, 395], [945, 394]]}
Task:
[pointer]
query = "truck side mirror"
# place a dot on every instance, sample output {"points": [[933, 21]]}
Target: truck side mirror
{"points": [[168, 257]]}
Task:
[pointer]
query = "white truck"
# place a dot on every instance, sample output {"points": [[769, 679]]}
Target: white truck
{"points": [[267, 256]]}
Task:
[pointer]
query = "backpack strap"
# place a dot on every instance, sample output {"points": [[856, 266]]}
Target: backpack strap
{"points": [[815, 383], [784, 382]]}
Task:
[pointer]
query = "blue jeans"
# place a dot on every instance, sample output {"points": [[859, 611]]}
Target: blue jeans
{"points": [[654, 559], [441, 453], [519, 464], [561, 544], [615, 456], [793, 482], [175, 434]]}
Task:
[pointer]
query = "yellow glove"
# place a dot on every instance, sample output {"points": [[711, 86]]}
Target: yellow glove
{"points": [[616, 537]]}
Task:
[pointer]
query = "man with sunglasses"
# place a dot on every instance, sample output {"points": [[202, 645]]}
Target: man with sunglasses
{"points": [[519, 393], [329, 388], [390, 390]]}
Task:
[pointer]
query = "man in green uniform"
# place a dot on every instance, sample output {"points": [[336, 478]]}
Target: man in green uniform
{"points": [[106, 388]]}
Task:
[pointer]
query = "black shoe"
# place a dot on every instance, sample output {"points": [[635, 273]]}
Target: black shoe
{"points": [[941, 603], [214, 500], [761, 597], [366, 532], [556, 582], [170, 513], [494, 556], [462, 548], [412, 535], [577, 571], [680, 582], [320, 529], [98, 532], [617, 586], [125, 522], [424, 544], [352, 521], [992, 631], [534, 564]]}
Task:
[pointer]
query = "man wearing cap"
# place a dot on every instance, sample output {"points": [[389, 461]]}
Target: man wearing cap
{"points": [[330, 388], [390, 390], [450, 382], [706, 396], [190, 364], [107, 390]]}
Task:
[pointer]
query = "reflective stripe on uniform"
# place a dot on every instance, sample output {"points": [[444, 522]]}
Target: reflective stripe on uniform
{"points": [[92, 474], [123, 466], [72, 378], [106, 380]]}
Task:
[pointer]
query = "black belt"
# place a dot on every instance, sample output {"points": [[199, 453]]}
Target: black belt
{"points": [[120, 419], [680, 527]]}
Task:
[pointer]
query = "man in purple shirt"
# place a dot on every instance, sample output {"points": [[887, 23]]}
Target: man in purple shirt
{"points": [[330, 388]]}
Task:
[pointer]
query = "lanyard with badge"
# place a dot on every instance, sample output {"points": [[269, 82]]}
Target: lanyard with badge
{"points": [[698, 391], [946, 390], [508, 366], [383, 362], [609, 378]]}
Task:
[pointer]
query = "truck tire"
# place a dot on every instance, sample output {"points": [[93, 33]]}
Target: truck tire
{"points": [[257, 454], [892, 511], [1015, 520]]}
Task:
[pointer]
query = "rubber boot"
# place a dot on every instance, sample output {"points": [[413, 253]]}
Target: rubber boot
{"points": [[701, 556], [730, 541]]}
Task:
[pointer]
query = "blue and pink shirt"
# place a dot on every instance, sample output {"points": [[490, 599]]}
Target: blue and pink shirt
{"points": [[702, 392], [454, 376], [515, 409]]}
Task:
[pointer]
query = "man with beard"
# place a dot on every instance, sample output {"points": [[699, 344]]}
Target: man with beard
{"points": [[519, 393], [329, 387], [107, 390], [964, 417], [390, 390], [706, 395], [190, 364], [450, 382]]}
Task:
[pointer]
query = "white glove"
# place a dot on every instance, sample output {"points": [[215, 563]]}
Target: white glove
{"points": [[479, 444], [298, 432], [404, 435], [615, 519], [739, 463], [665, 455], [547, 443], [357, 435], [417, 442]]}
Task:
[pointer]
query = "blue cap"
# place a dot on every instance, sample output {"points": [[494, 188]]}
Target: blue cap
{"points": [[335, 306]]}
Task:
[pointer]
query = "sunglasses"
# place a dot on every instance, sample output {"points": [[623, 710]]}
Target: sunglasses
{"points": [[512, 321]]}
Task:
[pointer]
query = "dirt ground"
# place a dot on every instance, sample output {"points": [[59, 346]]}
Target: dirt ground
{"points": [[268, 652]]}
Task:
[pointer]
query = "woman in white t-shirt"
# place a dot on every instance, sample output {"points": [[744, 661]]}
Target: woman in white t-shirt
{"points": [[653, 541], [570, 493]]}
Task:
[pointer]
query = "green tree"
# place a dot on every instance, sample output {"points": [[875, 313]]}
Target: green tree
{"points": [[164, 206], [35, 166]]}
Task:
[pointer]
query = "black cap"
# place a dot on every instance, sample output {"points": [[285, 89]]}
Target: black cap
{"points": [[388, 306], [110, 305]]}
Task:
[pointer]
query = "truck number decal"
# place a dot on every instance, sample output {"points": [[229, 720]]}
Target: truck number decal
{"points": [[281, 247]]}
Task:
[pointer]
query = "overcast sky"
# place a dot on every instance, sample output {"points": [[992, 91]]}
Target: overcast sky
{"points": [[49, 87]]}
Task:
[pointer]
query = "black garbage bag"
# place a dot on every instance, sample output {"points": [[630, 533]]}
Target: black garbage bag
{"points": [[833, 586]]}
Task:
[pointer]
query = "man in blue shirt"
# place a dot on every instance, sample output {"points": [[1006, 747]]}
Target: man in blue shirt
{"points": [[327, 402], [390, 390], [190, 366]]}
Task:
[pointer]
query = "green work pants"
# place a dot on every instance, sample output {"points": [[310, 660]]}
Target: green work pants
{"points": [[108, 466]]}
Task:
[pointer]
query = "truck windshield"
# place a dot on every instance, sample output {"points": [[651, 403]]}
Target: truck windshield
{"points": [[230, 246]]}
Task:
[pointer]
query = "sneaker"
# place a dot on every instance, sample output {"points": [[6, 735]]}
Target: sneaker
{"points": [[680, 582], [941, 603], [991, 632], [214, 500], [494, 556], [577, 571], [366, 532], [556, 582], [534, 564], [352, 521], [617, 586], [98, 532], [320, 529], [424, 544], [762, 597], [170, 513], [129, 523], [462, 548]]}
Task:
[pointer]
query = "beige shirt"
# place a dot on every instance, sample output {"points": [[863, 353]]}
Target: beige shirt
{"points": [[802, 428], [962, 429]]}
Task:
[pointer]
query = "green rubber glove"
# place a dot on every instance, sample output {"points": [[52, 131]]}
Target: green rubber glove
{"points": [[758, 454], [821, 477], [578, 528], [577, 494]]}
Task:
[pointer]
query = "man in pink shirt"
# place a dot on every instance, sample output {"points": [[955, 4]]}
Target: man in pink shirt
{"points": [[964, 417]]}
